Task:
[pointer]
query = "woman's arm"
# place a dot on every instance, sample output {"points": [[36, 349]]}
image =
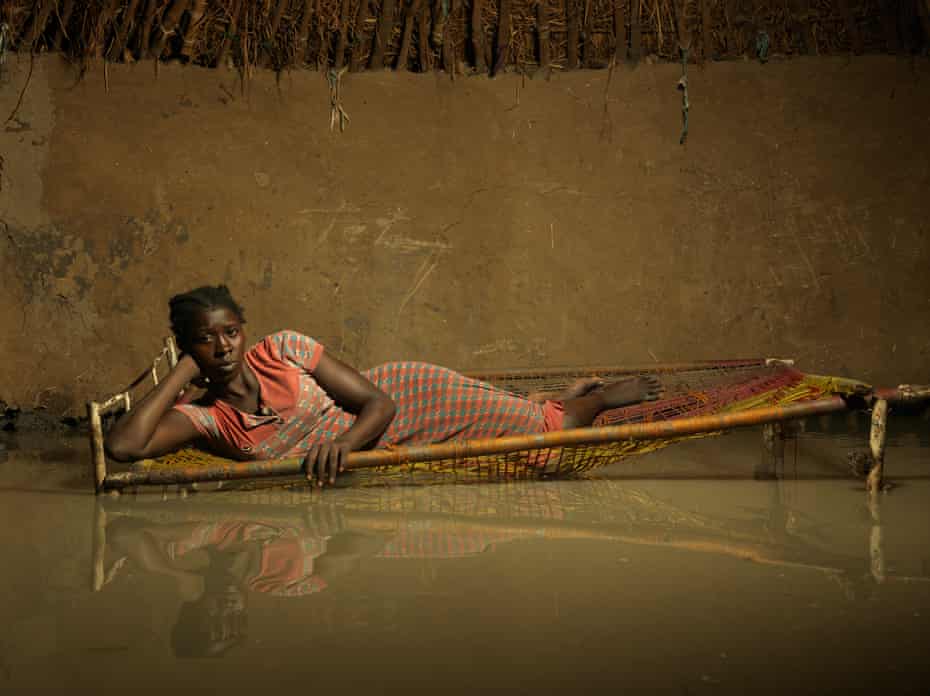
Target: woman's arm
{"points": [[151, 428], [345, 553], [374, 410], [144, 544]]}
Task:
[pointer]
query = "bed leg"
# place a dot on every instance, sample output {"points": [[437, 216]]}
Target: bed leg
{"points": [[99, 546], [773, 452], [97, 454], [876, 547], [877, 435]]}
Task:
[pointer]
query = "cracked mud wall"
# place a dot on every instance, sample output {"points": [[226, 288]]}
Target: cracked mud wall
{"points": [[475, 223]]}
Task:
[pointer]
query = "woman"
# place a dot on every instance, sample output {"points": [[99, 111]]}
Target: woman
{"points": [[287, 397]]}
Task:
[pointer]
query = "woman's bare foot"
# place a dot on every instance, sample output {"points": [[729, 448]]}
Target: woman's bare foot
{"points": [[631, 391], [581, 387], [578, 388], [581, 411]]}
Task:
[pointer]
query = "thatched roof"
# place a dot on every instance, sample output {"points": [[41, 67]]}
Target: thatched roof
{"points": [[458, 35]]}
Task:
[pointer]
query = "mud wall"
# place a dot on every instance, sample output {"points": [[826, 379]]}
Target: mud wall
{"points": [[474, 223]]}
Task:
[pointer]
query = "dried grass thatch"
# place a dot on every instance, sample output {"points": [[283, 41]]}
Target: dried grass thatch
{"points": [[457, 35]]}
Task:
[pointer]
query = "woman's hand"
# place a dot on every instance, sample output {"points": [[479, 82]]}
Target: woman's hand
{"points": [[152, 428], [326, 460], [187, 363], [354, 393]]}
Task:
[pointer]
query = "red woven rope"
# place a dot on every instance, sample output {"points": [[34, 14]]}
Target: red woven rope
{"points": [[702, 401]]}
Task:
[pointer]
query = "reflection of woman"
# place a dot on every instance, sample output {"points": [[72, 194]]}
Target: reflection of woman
{"points": [[286, 396], [216, 564]]}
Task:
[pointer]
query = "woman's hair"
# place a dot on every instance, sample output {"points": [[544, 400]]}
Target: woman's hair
{"points": [[185, 309], [211, 625]]}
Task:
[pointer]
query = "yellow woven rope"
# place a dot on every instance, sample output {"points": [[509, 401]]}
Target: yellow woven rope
{"points": [[575, 459]]}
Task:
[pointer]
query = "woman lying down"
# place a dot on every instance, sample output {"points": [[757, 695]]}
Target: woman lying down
{"points": [[287, 397]]}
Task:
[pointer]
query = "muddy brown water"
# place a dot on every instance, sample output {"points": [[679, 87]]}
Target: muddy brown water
{"points": [[703, 568]]}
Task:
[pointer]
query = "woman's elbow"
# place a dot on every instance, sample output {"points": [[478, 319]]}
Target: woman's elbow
{"points": [[119, 451], [388, 407]]}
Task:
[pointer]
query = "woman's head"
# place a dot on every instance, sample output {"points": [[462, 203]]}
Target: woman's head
{"points": [[213, 624], [207, 323], [187, 308]]}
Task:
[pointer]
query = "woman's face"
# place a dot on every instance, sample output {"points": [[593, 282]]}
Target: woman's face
{"points": [[217, 344]]}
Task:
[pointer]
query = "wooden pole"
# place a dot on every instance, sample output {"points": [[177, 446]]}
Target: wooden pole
{"points": [[36, 24], [773, 451], [425, 53], [707, 31], [877, 445], [571, 35], [588, 23], [99, 548], [303, 29], [620, 44], [503, 37], [682, 30], [876, 545], [340, 57], [98, 456], [382, 34], [151, 9], [636, 32], [276, 17], [98, 39], [264, 48], [645, 368], [64, 17], [734, 28], [543, 35], [122, 35], [231, 28], [449, 57], [411, 15], [171, 349], [361, 27], [477, 35], [168, 24], [197, 10], [245, 52]]}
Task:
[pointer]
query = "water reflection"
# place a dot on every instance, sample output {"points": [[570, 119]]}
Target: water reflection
{"points": [[221, 549], [672, 572], [216, 562], [905, 424]]}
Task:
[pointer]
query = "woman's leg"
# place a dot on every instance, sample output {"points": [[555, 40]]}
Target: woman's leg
{"points": [[581, 411], [578, 388]]}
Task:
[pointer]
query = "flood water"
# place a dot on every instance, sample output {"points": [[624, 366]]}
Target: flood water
{"points": [[704, 568]]}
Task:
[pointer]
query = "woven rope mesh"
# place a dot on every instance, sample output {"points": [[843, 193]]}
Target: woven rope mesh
{"points": [[707, 389]]}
